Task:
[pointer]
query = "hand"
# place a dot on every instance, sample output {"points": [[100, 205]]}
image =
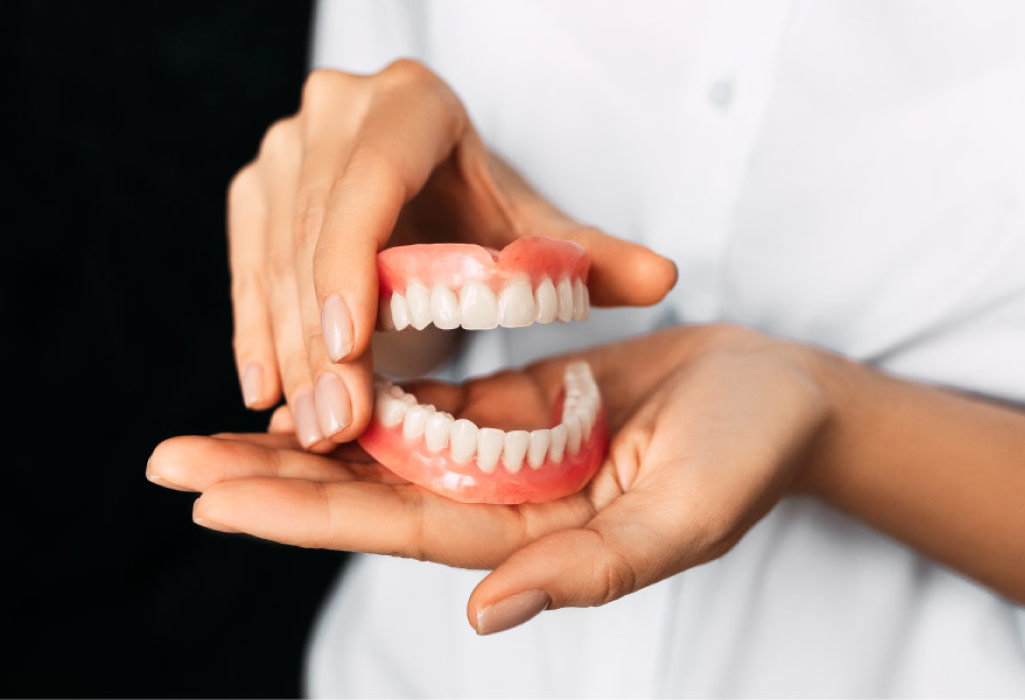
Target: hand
{"points": [[710, 425], [370, 161]]}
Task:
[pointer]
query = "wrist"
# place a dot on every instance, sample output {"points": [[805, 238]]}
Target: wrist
{"points": [[835, 378]]}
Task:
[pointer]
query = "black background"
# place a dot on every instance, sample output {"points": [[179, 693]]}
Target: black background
{"points": [[127, 122]]}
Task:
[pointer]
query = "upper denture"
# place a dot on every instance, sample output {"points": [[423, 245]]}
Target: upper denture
{"points": [[532, 280]]}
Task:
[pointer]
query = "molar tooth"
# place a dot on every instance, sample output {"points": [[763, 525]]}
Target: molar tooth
{"points": [[558, 446], [538, 448], [478, 308], [444, 307], [408, 399], [418, 301], [580, 310], [573, 432], [564, 292], [547, 301], [516, 443], [390, 411], [490, 442], [463, 438], [437, 430], [395, 392], [399, 311], [516, 305], [416, 420]]}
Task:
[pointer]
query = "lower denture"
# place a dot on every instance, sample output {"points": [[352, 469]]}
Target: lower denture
{"points": [[485, 464]]}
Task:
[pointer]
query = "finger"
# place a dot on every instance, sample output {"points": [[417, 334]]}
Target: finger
{"points": [[411, 125], [624, 273], [383, 519], [279, 159], [253, 340], [635, 542], [281, 421], [348, 452], [195, 463], [342, 393]]}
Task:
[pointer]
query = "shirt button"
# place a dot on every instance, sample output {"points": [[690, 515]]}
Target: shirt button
{"points": [[720, 93]]}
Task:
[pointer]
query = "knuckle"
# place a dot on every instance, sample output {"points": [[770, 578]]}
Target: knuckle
{"points": [[247, 285], [319, 84], [408, 70], [280, 138], [613, 576], [242, 185], [280, 270]]}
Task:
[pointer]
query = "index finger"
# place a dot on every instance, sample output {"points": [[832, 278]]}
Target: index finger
{"points": [[411, 125]]}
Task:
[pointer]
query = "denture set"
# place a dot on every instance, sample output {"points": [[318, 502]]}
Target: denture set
{"points": [[533, 280]]}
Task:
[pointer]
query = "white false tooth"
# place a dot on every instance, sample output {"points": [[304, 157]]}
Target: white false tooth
{"points": [[586, 414], [516, 307], [399, 311], [564, 292], [516, 443], [444, 307], [538, 448], [408, 399], [547, 301], [418, 300], [559, 436], [573, 433], [384, 320], [490, 442], [390, 411], [463, 439], [580, 311], [437, 431], [478, 308], [395, 392], [416, 420]]}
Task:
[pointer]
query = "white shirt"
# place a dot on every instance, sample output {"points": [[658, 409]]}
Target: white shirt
{"points": [[849, 174]]}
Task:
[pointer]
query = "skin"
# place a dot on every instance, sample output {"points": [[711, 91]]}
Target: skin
{"points": [[368, 162], [711, 426]]}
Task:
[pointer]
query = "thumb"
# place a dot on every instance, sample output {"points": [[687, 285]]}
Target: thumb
{"points": [[635, 542], [624, 273]]}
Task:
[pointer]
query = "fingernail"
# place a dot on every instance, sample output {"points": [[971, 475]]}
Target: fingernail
{"points": [[305, 414], [161, 481], [336, 324], [333, 410], [252, 380], [513, 611], [202, 522]]}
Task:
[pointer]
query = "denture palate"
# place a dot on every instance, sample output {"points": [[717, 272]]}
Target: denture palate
{"points": [[491, 448], [475, 306]]}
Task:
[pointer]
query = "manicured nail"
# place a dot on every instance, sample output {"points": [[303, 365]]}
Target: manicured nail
{"points": [[333, 409], [202, 522], [304, 412], [513, 611], [336, 324], [252, 383], [161, 481]]}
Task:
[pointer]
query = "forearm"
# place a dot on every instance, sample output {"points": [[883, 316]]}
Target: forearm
{"points": [[942, 472]]}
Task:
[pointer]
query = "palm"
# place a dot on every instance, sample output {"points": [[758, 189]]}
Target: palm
{"points": [[706, 431]]}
